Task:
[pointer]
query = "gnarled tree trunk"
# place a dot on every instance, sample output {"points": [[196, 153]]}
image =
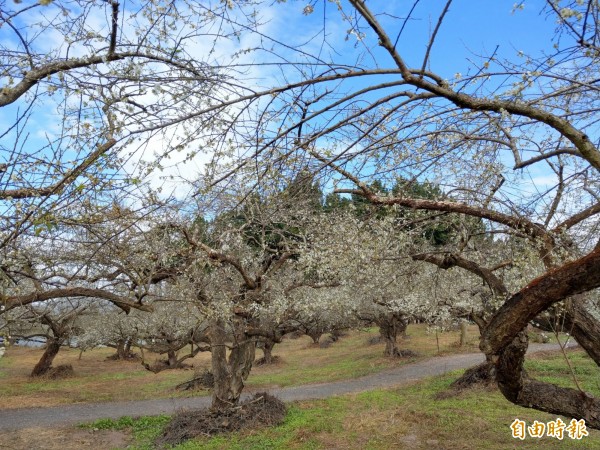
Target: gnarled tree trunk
{"points": [[267, 349], [463, 333], [230, 374], [45, 362], [389, 329], [315, 336], [172, 358], [504, 340], [123, 348]]}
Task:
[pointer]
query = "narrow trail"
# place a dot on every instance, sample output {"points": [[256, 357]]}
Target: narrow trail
{"points": [[15, 419]]}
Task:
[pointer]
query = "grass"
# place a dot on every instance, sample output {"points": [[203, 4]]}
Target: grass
{"points": [[143, 430], [551, 367], [350, 357], [408, 417], [97, 379]]}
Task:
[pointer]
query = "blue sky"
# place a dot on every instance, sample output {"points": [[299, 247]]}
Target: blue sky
{"points": [[471, 30]]}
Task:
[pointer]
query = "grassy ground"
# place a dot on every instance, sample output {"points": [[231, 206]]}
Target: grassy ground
{"points": [[408, 417], [97, 379]]}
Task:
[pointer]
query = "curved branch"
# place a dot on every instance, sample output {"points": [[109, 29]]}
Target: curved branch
{"points": [[504, 340], [560, 151], [34, 76], [573, 278], [577, 218], [215, 255], [578, 138], [69, 177], [13, 301], [518, 223], [452, 260]]}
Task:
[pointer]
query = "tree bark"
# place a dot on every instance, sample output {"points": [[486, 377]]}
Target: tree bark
{"points": [[124, 349], [229, 375], [517, 387], [267, 349], [463, 333], [315, 336], [45, 362], [584, 327], [505, 341], [241, 359], [220, 370], [389, 328], [172, 358]]}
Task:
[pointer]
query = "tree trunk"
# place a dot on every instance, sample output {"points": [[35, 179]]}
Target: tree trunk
{"points": [[505, 341], [517, 387], [124, 349], [388, 334], [389, 328], [267, 349], [229, 374], [463, 333], [121, 349], [172, 358], [241, 359], [315, 336], [585, 328], [45, 362]]}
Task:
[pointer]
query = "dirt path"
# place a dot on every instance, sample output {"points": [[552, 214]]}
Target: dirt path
{"points": [[16, 419]]}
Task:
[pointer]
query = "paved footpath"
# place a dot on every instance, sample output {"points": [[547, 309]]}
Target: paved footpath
{"points": [[13, 419]]}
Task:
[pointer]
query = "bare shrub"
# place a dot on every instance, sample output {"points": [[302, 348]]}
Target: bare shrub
{"points": [[263, 362], [374, 340], [326, 343], [60, 372], [202, 380], [132, 357], [404, 354]]}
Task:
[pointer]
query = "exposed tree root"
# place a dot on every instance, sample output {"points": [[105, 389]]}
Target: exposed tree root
{"points": [[262, 410], [264, 362], [133, 357], [397, 353], [480, 376], [58, 372]]}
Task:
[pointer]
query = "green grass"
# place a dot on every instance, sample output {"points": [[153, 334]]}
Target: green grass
{"points": [[553, 369], [407, 417], [350, 357], [4, 363], [298, 372], [97, 379], [144, 430]]}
